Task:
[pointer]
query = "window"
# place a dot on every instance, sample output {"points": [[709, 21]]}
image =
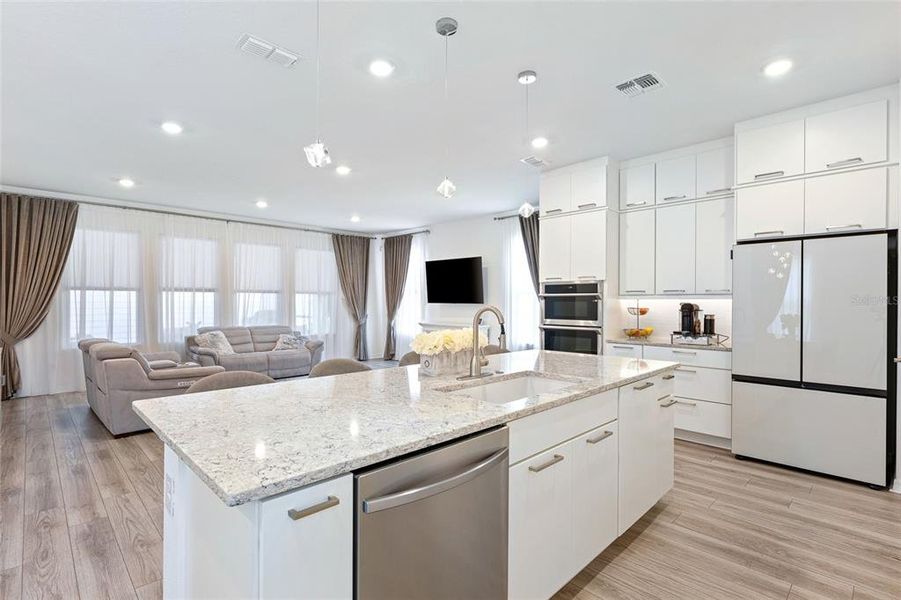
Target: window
{"points": [[258, 284], [523, 309], [111, 314], [315, 297], [188, 283]]}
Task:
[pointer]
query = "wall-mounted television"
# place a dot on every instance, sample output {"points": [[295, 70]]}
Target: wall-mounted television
{"points": [[455, 281]]}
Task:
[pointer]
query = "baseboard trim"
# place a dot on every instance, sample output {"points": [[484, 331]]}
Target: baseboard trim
{"points": [[703, 438], [896, 489]]}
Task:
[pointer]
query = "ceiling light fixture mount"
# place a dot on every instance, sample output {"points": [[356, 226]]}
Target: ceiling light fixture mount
{"points": [[527, 77], [777, 68], [446, 27]]}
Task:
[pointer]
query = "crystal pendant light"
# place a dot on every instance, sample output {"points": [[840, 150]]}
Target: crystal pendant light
{"points": [[317, 153], [446, 27]]}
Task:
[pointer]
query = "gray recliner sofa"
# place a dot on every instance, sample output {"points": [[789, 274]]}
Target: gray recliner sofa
{"points": [[254, 351], [116, 375]]}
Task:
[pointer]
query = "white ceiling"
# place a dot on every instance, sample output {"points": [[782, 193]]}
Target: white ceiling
{"points": [[85, 86]]}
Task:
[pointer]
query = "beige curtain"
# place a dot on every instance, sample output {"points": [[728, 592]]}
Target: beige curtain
{"points": [[36, 237], [529, 228], [352, 255], [397, 259]]}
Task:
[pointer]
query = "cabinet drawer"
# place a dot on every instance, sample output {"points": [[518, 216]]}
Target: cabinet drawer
{"points": [[699, 383], [770, 210], [714, 359], [624, 350], [851, 136], [846, 201], [770, 152], [703, 417], [535, 433]]}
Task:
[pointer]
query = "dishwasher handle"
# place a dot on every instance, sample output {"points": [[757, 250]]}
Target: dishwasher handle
{"points": [[413, 494]]}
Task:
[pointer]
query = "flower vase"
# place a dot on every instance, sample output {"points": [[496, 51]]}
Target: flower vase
{"points": [[445, 363]]}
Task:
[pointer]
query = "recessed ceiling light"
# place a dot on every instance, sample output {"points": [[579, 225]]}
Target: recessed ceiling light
{"points": [[342, 170], [172, 128], [539, 142], [126, 182], [777, 68], [261, 203], [381, 68], [355, 218]]}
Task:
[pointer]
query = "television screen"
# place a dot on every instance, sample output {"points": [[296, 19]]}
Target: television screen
{"points": [[455, 281]]}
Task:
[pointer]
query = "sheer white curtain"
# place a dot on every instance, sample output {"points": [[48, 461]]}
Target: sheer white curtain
{"points": [[409, 313], [521, 304]]}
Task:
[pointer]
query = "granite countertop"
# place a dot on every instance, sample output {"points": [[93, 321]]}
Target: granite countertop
{"points": [[250, 443], [666, 343]]}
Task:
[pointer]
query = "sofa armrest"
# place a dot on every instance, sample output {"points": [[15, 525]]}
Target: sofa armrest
{"points": [[162, 364], [209, 352], [315, 347], [184, 373], [165, 355]]}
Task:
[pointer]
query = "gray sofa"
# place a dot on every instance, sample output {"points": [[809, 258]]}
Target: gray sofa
{"points": [[253, 348], [116, 375]]}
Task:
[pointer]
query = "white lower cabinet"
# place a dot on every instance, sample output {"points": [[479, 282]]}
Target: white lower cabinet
{"points": [[770, 210], [594, 503], [700, 416]]}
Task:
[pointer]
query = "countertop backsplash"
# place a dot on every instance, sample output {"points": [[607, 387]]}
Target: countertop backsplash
{"points": [[663, 315]]}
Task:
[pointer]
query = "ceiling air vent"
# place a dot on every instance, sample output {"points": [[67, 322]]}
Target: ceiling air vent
{"points": [[639, 85], [260, 47], [534, 161]]}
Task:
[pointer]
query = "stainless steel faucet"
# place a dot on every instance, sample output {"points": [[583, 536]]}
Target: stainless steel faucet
{"points": [[478, 360]]}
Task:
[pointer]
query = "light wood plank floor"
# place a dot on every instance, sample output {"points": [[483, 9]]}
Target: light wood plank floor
{"points": [[81, 517]]}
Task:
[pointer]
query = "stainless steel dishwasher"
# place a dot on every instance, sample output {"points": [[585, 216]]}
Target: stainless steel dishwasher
{"points": [[435, 525]]}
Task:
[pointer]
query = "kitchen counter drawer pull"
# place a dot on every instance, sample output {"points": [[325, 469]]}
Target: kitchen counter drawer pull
{"points": [[709, 291], [623, 347], [668, 377], [681, 370], [636, 291], [668, 198], [643, 386], [642, 203], [774, 231], [686, 403], [843, 163], [689, 352], [770, 174], [553, 210], [600, 438], [719, 191], [668, 404], [587, 205], [557, 458], [848, 226], [312, 510], [673, 291]]}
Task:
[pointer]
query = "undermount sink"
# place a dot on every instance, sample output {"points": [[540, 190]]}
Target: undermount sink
{"points": [[518, 388]]}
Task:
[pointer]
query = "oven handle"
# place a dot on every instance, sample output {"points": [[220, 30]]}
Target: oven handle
{"points": [[570, 295], [598, 330]]}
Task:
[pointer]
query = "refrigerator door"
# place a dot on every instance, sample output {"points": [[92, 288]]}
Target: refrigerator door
{"points": [[766, 310], [845, 325]]}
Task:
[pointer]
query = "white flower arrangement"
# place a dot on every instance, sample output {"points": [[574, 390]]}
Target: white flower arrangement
{"points": [[452, 340]]}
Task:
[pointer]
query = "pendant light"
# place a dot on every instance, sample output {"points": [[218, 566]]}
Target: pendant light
{"points": [[317, 153], [446, 27], [527, 78]]}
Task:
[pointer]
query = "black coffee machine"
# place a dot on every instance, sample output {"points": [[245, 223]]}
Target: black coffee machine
{"points": [[690, 319]]}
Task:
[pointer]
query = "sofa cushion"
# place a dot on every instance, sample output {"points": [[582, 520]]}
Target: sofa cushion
{"points": [[289, 360], [215, 340], [238, 337], [287, 341], [264, 337], [245, 361]]}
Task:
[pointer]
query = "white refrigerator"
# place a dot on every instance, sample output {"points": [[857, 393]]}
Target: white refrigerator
{"points": [[814, 336]]}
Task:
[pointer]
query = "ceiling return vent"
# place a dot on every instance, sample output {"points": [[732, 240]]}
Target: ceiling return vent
{"points": [[534, 161], [639, 85], [268, 50]]}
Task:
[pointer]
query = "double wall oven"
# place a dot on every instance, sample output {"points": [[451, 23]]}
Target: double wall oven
{"points": [[572, 316]]}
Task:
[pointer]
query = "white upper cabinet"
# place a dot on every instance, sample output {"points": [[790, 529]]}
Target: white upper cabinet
{"points": [[675, 269], [847, 137], [676, 179], [715, 172], [555, 249], [589, 188], [846, 201], [589, 245], [555, 193], [636, 252], [714, 235], [770, 152], [636, 186], [770, 210]]}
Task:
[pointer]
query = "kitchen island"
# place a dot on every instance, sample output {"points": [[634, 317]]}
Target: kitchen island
{"points": [[245, 467]]}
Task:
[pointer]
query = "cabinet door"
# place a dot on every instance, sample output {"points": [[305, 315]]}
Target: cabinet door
{"points": [[846, 201], [715, 172], [589, 188], [554, 252], [309, 554], [589, 245], [663, 441], [770, 210], [675, 271], [676, 179], [636, 186], [636, 252], [713, 265], [595, 467], [851, 136], [638, 469], [540, 536], [768, 152], [555, 194]]}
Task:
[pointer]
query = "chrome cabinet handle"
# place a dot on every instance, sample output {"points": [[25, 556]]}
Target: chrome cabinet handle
{"points": [[585, 277], [312, 510], [848, 226], [719, 191], [553, 278], [428, 490], [642, 203], [588, 205], [643, 386], [689, 352], [770, 174], [636, 291], [557, 458], [553, 210], [668, 404], [681, 370], [709, 291], [673, 291], [668, 377], [600, 438], [624, 347], [668, 198], [776, 231], [842, 163], [686, 403]]}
